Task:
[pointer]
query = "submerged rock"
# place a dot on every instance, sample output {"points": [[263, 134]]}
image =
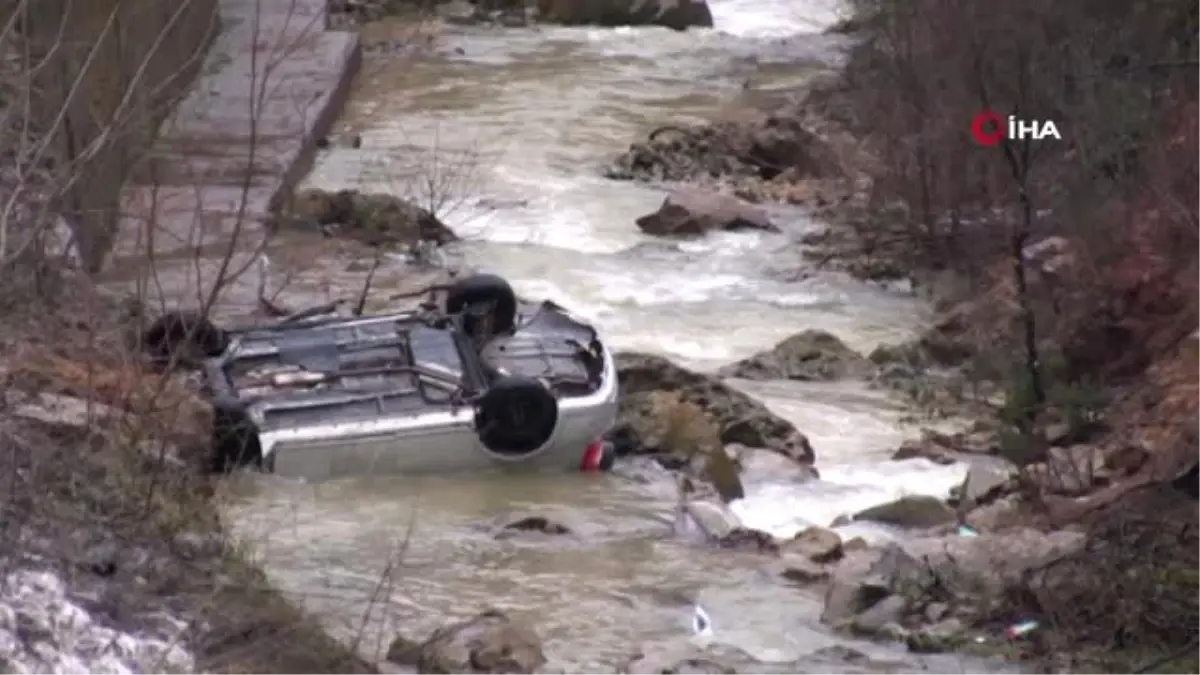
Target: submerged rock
{"points": [[518, 524], [914, 511], [676, 14], [373, 219], [810, 355], [801, 570], [491, 642], [735, 416], [817, 544], [692, 212], [768, 147], [705, 520], [750, 540]]}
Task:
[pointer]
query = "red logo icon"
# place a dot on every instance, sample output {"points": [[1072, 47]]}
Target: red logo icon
{"points": [[987, 128]]}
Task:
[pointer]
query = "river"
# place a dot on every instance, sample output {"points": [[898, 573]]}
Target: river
{"points": [[506, 131]]}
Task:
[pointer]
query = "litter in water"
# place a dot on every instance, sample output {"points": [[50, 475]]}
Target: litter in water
{"points": [[1018, 629], [966, 531], [701, 623]]}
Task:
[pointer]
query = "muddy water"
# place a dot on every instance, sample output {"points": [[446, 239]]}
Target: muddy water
{"points": [[504, 131]]}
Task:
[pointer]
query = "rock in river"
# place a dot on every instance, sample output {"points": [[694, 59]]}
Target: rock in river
{"points": [[738, 417], [810, 355], [817, 544], [916, 511], [491, 642], [373, 219], [677, 14], [763, 148], [692, 211]]}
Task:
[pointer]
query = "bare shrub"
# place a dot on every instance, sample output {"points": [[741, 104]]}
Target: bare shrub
{"points": [[83, 89]]}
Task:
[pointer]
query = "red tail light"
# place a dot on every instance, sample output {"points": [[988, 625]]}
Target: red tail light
{"points": [[598, 456]]}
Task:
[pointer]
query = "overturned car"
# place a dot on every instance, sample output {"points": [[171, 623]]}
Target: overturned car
{"points": [[479, 380]]}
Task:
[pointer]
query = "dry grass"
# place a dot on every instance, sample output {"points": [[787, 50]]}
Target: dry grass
{"points": [[115, 481]]}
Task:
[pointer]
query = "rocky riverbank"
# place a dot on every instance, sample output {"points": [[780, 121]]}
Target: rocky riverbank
{"points": [[1086, 467]]}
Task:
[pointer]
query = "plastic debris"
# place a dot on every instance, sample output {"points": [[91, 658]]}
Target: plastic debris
{"points": [[967, 531], [701, 623], [1018, 629]]}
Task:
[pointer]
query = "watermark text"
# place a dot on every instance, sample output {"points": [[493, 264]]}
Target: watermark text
{"points": [[990, 128]]}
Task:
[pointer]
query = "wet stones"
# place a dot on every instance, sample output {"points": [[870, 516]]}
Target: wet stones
{"points": [[676, 14], [687, 657], [373, 219], [812, 355], [764, 148], [912, 588], [910, 511], [491, 642], [528, 525], [738, 418], [693, 212], [817, 544]]}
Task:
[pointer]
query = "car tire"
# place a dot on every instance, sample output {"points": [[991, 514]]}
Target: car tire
{"points": [[516, 417], [234, 440], [486, 302], [185, 337]]}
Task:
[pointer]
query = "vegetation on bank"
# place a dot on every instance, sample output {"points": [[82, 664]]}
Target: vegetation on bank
{"points": [[100, 453], [1067, 268]]}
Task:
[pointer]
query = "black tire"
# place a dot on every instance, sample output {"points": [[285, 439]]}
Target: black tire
{"points": [[516, 417], [491, 301], [234, 440], [186, 337]]}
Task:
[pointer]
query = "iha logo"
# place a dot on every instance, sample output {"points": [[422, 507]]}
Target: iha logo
{"points": [[989, 128]]}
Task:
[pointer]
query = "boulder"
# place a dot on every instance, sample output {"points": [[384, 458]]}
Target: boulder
{"points": [[984, 483], [879, 618], [676, 14], [737, 417], [705, 520], [817, 544], [854, 586], [1001, 514], [770, 147], [811, 355], [374, 219], [941, 636], [962, 572], [1070, 471], [691, 212], [760, 465], [799, 569], [913, 511], [925, 448], [491, 642]]}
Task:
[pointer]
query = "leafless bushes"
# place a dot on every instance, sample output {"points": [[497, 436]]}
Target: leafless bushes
{"points": [[95, 444], [1079, 256], [1128, 599], [1116, 78]]}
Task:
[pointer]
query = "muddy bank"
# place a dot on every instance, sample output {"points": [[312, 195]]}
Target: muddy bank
{"points": [[116, 558], [110, 508]]}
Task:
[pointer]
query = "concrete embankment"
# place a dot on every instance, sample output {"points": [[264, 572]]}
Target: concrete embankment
{"points": [[234, 148]]}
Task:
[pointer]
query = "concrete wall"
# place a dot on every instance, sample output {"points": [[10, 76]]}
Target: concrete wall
{"points": [[132, 59]]}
